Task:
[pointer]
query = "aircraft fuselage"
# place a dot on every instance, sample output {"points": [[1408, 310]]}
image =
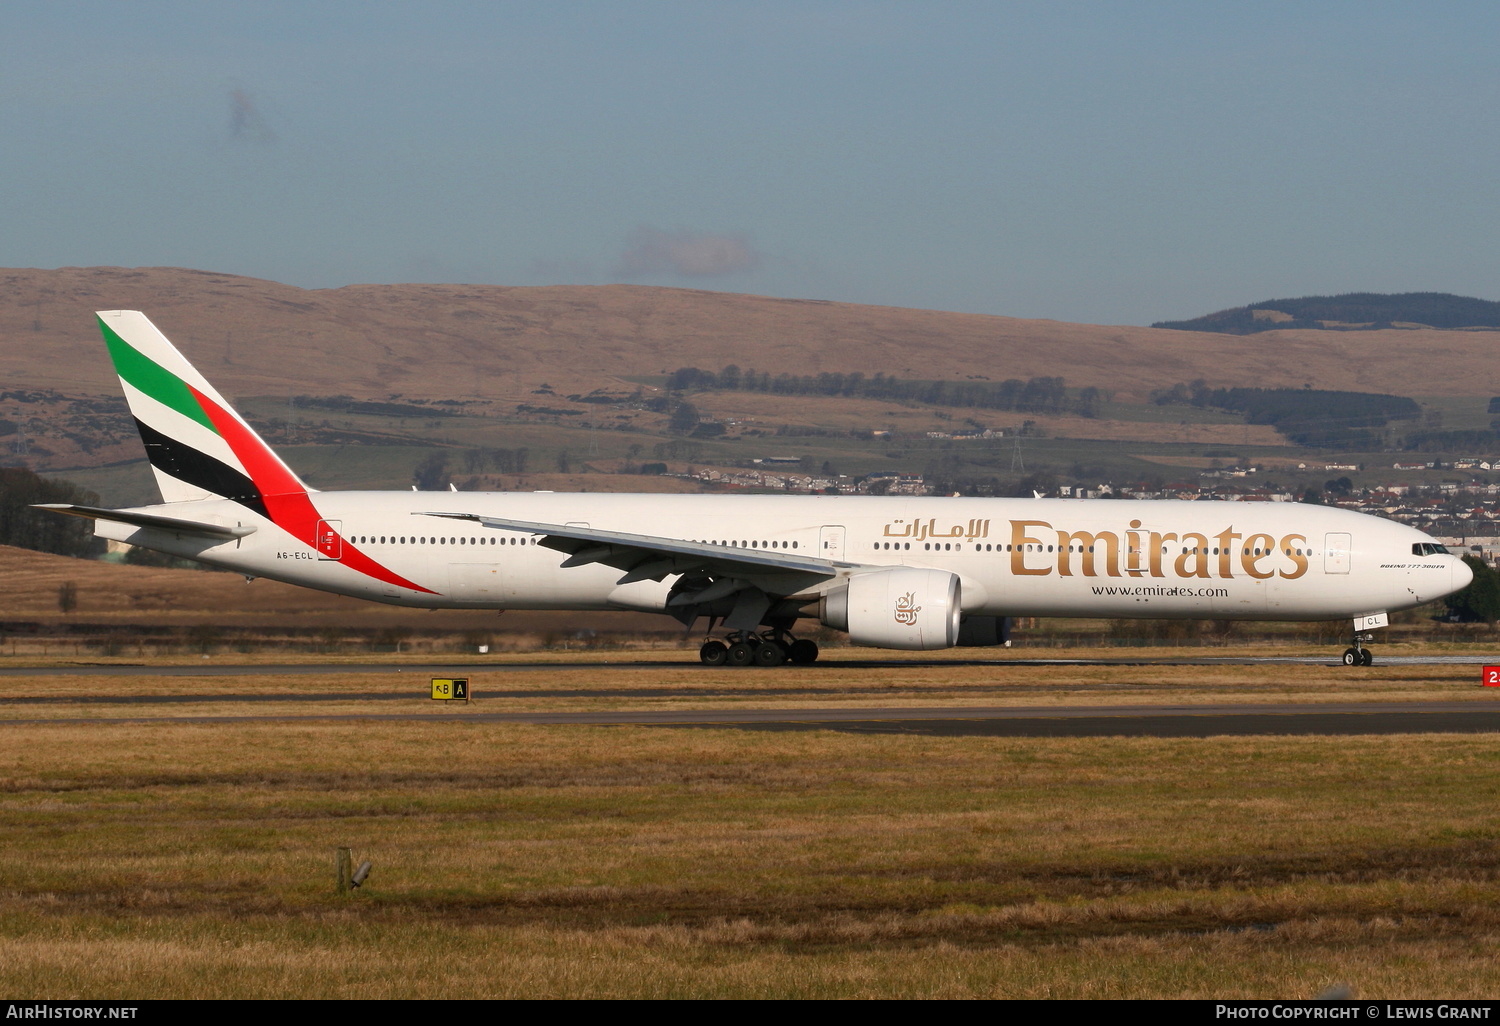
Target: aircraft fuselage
{"points": [[1031, 557]]}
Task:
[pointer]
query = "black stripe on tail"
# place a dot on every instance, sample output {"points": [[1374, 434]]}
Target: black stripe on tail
{"points": [[200, 470]]}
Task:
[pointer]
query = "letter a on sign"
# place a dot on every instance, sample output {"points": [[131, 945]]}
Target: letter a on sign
{"points": [[450, 689]]}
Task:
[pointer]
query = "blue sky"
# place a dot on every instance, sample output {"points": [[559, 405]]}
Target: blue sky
{"points": [[1103, 162]]}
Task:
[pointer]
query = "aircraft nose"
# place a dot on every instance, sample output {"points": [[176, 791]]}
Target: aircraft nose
{"points": [[1462, 575]]}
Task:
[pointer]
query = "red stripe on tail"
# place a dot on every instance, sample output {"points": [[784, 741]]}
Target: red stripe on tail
{"points": [[286, 499]]}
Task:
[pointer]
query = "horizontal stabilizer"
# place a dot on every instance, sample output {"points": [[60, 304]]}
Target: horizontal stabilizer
{"points": [[157, 523]]}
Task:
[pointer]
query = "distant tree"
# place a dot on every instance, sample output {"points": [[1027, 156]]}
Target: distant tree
{"points": [[1088, 401], [1043, 481], [684, 418], [28, 528], [67, 596], [1480, 601], [431, 472], [1177, 395], [564, 462], [1311, 496], [508, 461]]}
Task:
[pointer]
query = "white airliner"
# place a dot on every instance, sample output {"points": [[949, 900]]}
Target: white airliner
{"points": [[893, 572]]}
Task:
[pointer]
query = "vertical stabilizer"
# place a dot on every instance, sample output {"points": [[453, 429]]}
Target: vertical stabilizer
{"points": [[198, 446]]}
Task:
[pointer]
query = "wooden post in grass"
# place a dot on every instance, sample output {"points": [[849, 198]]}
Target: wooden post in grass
{"points": [[346, 870]]}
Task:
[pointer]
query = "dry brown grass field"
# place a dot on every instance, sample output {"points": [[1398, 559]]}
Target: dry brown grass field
{"points": [[180, 859], [114, 594]]}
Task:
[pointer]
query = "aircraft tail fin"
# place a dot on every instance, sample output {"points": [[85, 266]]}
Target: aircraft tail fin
{"points": [[199, 447]]}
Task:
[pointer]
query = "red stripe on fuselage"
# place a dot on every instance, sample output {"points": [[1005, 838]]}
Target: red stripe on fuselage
{"points": [[287, 502]]}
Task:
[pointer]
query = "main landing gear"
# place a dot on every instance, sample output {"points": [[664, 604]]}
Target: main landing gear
{"points": [[768, 648], [1357, 654]]}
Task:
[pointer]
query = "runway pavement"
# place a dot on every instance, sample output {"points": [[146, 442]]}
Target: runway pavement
{"points": [[1008, 721], [1162, 718]]}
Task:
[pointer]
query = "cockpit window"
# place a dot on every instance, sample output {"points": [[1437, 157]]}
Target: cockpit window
{"points": [[1429, 549]]}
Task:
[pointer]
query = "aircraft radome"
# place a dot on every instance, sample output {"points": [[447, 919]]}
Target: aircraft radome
{"points": [[892, 572]]}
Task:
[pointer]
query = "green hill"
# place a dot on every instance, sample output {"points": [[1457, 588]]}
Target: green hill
{"points": [[1351, 311]]}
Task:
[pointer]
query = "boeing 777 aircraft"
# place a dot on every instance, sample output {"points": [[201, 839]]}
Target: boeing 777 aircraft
{"points": [[893, 572]]}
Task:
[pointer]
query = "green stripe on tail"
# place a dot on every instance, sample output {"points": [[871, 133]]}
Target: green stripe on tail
{"points": [[153, 379]]}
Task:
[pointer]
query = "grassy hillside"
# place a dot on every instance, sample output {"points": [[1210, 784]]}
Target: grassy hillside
{"points": [[577, 387], [254, 337], [1350, 311]]}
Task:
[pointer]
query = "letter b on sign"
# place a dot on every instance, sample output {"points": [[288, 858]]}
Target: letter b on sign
{"points": [[450, 689]]}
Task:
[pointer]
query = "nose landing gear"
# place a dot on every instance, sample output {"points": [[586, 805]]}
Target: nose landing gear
{"points": [[768, 648], [1357, 654]]}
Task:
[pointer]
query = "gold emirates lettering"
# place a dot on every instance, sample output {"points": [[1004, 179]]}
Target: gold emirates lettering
{"points": [[1037, 549]]}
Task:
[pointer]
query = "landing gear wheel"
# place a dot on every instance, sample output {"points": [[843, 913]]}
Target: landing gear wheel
{"points": [[1353, 657], [1366, 657], [803, 652], [741, 654], [769, 653], [713, 653]]}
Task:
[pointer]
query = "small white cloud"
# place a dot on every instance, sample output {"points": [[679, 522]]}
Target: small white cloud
{"points": [[652, 251]]}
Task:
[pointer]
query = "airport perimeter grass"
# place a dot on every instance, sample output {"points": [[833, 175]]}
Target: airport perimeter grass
{"points": [[197, 860]]}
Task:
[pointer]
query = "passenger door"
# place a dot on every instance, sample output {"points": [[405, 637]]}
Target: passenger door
{"points": [[831, 542], [330, 541], [1336, 553]]}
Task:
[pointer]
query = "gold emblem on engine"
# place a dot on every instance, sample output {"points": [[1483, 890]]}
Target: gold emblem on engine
{"points": [[907, 609]]}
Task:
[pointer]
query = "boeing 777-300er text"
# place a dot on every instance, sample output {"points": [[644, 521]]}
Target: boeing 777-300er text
{"points": [[892, 572]]}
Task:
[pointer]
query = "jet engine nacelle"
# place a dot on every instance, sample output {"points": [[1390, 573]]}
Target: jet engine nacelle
{"points": [[903, 608]]}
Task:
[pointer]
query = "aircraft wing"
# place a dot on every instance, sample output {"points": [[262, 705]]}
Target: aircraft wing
{"points": [[716, 580], [146, 520], [648, 557]]}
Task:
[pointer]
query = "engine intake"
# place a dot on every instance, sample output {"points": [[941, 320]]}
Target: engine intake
{"points": [[906, 608]]}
